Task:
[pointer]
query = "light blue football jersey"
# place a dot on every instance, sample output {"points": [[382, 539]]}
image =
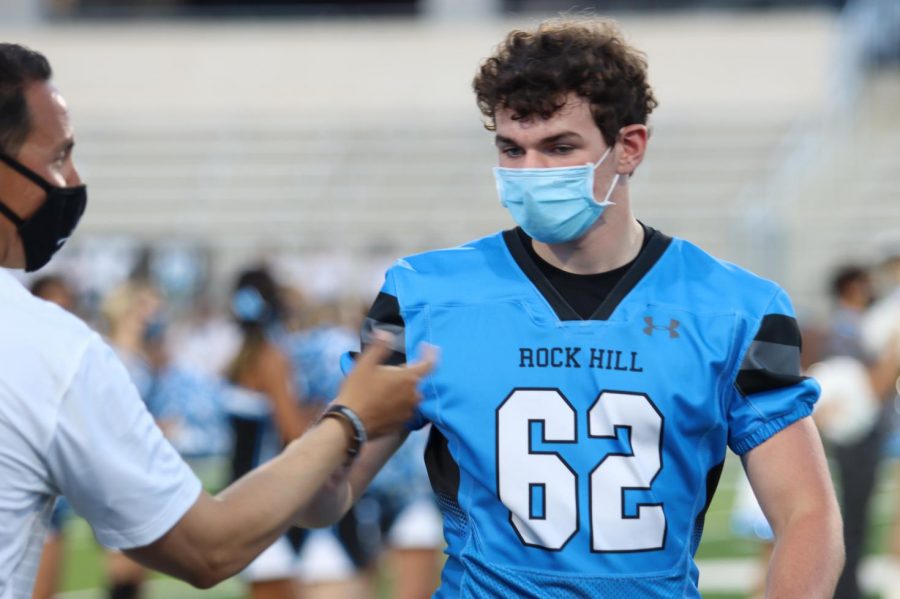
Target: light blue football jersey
{"points": [[577, 458]]}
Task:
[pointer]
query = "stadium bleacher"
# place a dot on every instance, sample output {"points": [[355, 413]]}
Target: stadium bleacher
{"points": [[324, 135]]}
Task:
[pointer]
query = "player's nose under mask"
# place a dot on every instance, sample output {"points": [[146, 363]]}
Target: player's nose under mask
{"points": [[50, 226], [553, 205]]}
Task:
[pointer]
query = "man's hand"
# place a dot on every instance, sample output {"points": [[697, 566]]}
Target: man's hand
{"points": [[384, 397]]}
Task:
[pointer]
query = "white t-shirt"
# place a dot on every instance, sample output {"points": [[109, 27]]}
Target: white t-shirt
{"points": [[72, 423]]}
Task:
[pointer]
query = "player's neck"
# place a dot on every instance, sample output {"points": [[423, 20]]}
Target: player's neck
{"points": [[614, 241]]}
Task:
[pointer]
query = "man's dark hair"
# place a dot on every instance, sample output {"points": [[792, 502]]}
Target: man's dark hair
{"points": [[19, 67], [531, 72], [844, 277]]}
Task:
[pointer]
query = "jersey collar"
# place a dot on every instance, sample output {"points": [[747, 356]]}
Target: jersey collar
{"points": [[657, 243]]}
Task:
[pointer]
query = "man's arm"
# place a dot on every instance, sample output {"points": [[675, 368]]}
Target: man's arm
{"points": [[790, 478], [347, 485], [219, 536]]}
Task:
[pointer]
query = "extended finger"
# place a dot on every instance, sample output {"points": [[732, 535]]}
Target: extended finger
{"points": [[376, 352], [427, 361]]}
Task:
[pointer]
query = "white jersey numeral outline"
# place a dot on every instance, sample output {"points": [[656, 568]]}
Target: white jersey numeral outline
{"points": [[523, 474]]}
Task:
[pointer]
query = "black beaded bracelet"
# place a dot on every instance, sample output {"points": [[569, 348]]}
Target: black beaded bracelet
{"points": [[360, 435]]}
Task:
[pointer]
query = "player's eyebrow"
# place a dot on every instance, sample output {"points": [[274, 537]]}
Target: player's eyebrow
{"points": [[564, 136], [558, 137]]}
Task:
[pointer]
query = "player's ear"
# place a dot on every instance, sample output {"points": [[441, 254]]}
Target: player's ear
{"points": [[632, 142]]}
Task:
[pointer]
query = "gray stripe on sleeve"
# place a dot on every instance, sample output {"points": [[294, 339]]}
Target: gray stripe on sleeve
{"points": [[370, 326], [772, 357]]}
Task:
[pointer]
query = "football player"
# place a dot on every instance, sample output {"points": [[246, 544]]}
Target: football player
{"points": [[594, 369]]}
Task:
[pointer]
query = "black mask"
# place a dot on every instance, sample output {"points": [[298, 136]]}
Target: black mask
{"points": [[47, 229]]}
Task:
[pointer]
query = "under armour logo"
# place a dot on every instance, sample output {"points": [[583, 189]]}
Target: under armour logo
{"points": [[672, 328]]}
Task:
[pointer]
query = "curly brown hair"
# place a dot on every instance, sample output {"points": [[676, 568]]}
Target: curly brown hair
{"points": [[532, 72]]}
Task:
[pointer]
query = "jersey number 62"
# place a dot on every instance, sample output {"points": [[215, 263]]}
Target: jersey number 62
{"points": [[540, 488]]}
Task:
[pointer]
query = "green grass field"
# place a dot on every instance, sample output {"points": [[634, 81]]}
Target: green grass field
{"points": [[83, 573]]}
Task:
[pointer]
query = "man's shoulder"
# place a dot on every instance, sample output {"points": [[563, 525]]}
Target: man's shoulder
{"points": [[727, 284], [460, 256], [470, 273], [449, 271], [696, 257], [38, 333], [25, 316], [41, 352]]}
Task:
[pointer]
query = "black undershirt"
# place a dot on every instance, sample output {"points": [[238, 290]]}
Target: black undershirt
{"points": [[584, 293]]}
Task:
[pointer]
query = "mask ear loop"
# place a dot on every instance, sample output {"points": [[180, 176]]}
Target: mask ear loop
{"points": [[17, 220], [602, 158], [606, 201], [14, 218], [26, 172]]}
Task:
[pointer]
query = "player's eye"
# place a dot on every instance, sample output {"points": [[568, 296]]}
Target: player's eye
{"points": [[512, 151], [561, 149]]}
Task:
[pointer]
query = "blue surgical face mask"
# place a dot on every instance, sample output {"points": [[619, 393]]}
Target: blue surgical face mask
{"points": [[553, 205]]}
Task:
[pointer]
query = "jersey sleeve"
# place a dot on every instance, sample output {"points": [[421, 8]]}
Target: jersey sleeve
{"points": [[108, 457], [768, 393], [385, 315]]}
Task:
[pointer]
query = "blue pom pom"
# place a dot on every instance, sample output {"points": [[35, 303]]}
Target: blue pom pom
{"points": [[249, 306]]}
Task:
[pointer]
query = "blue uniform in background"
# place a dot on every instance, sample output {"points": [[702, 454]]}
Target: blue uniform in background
{"points": [[577, 457]]}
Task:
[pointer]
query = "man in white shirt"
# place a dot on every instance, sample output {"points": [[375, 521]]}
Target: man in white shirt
{"points": [[72, 423]]}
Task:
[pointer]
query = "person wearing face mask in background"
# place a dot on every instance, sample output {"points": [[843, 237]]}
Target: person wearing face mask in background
{"points": [[72, 422], [595, 370]]}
